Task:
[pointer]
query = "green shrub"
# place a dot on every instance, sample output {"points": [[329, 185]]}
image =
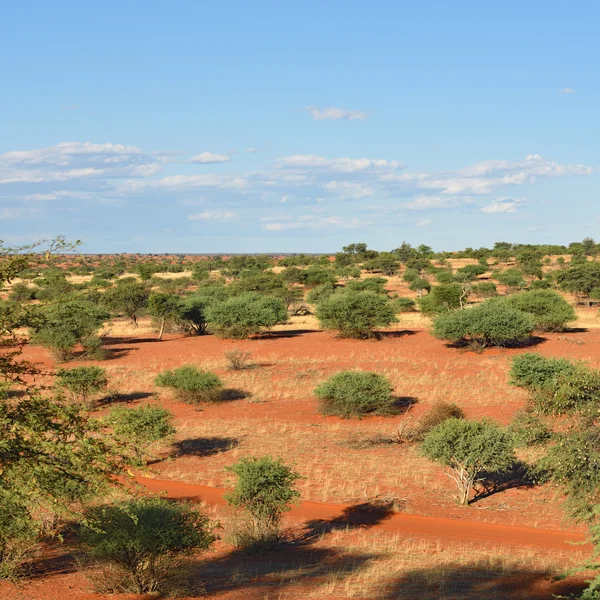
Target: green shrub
{"points": [[529, 430], [192, 385], [549, 309], [491, 323], [140, 427], [442, 298], [574, 463], [265, 489], [511, 278], [21, 292], [402, 304], [321, 292], [356, 314], [64, 325], [534, 371], [485, 289], [370, 284], [444, 277], [468, 449], [242, 316], [145, 540], [82, 382], [355, 394], [575, 392], [410, 275]]}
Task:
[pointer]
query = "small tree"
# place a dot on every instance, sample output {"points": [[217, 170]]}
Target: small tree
{"points": [[140, 427], [60, 327], [356, 314], [419, 285], [164, 308], [265, 489], [82, 382], [491, 323], [549, 309], [580, 279], [145, 539], [192, 385], [242, 316], [469, 449], [129, 298], [355, 394]]}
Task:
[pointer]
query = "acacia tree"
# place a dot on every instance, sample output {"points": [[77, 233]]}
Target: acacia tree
{"points": [[580, 279], [468, 449], [164, 308], [53, 454], [129, 298]]}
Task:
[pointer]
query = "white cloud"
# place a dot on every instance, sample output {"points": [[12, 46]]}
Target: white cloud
{"points": [[348, 189], [566, 91], [251, 150], [335, 114], [503, 205], [213, 215], [207, 158], [76, 160], [424, 222], [284, 223], [343, 165]]}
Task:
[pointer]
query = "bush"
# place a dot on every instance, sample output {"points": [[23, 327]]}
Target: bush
{"points": [[533, 371], [356, 393], [64, 325], [140, 427], [575, 392], [485, 289], [21, 292], [356, 314], [370, 284], [442, 298], [238, 359], [146, 539], [529, 430], [265, 489], [469, 449], [444, 277], [440, 412], [242, 316], [511, 278], [549, 309], [82, 382], [192, 385], [403, 304], [491, 323], [321, 292]]}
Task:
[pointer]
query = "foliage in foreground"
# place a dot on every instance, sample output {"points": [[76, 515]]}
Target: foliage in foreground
{"points": [[146, 539], [82, 382], [140, 427]]}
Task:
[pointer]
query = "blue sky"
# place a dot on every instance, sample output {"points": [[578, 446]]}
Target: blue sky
{"points": [[299, 126]]}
